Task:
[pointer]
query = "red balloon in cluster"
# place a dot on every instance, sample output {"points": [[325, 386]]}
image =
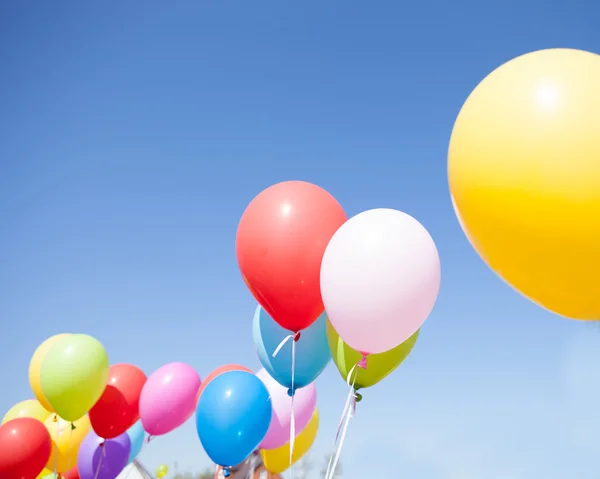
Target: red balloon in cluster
{"points": [[217, 372], [25, 448], [280, 243], [118, 408], [72, 473]]}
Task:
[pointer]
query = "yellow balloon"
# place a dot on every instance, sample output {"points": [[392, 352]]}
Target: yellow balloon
{"points": [[35, 366], [278, 460], [524, 175], [44, 473], [29, 408], [162, 471], [65, 441]]}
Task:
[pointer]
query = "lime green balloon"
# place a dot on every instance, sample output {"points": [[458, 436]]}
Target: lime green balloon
{"points": [[74, 375], [378, 365]]}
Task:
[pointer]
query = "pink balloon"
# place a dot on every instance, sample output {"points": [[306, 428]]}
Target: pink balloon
{"points": [[380, 278], [305, 401], [168, 398]]}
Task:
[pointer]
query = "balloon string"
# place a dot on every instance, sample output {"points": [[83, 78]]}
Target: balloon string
{"points": [[347, 413], [56, 445], [282, 344], [292, 414], [69, 450], [103, 446]]}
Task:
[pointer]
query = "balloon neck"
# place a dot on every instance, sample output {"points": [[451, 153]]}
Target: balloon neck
{"points": [[103, 442], [362, 364], [55, 418], [291, 392], [357, 397], [73, 427], [255, 452], [226, 472], [296, 336]]}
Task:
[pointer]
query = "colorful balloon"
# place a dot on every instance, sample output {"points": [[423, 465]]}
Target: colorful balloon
{"points": [[280, 243], [278, 460], [305, 401], [524, 177], [72, 473], [137, 437], [29, 408], [24, 448], [45, 472], [118, 408], [220, 370], [312, 351], [35, 367], [162, 471], [233, 416], [168, 398], [74, 375], [103, 459], [380, 279], [380, 365], [65, 441]]}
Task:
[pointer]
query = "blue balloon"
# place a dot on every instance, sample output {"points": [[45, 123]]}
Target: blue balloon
{"points": [[233, 417], [312, 350], [137, 436]]}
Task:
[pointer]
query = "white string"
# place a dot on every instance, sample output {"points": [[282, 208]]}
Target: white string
{"points": [[347, 414], [293, 415], [100, 461], [282, 344]]}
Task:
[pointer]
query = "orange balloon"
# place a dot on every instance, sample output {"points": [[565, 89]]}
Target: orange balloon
{"points": [[280, 243], [217, 372]]}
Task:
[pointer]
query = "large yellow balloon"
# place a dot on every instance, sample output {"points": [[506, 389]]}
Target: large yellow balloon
{"points": [[278, 460], [29, 408], [524, 174], [65, 441], [35, 366]]}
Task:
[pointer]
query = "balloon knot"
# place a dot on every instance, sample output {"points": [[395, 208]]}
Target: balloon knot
{"points": [[358, 397], [103, 442], [73, 427], [296, 336], [55, 418], [226, 473], [362, 364], [255, 453], [148, 439], [291, 392]]}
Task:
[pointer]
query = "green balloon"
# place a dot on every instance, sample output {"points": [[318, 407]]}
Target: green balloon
{"points": [[74, 375], [378, 365]]}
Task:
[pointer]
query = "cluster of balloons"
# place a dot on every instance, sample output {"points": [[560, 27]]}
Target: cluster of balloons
{"points": [[90, 419], [524, 175]]}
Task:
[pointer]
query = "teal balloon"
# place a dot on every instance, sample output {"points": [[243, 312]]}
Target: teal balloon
{"points": [[312, 350], [137, 436]]}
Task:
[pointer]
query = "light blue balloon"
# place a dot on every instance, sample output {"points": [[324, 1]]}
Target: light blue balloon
{"points": [[312, 350], [137, 436]]}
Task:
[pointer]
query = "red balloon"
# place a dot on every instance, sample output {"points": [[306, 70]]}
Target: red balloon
{"points": [[217, 372], [25, 448], [72, 473], [280, 244], [118, 408]]}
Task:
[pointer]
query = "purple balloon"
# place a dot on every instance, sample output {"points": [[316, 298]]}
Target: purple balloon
{"points": [[103, 459]]}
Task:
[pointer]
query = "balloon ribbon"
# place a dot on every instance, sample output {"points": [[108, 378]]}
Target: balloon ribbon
{"points": [[101, 459], [292, 391], [347, 414]]}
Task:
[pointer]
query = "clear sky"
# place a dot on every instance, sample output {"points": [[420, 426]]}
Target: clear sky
{"points": [[132, 136]]}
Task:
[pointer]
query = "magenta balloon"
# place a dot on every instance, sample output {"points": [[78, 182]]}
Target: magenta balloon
{"points": [[100, 459], [305, 401], [168, 398]]}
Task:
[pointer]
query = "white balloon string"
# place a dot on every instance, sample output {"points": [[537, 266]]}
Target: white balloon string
{"points": [[282, 344], [293, 415], [217, 472], [100, 461], [54, 445], [349, 408], [69, 450]]}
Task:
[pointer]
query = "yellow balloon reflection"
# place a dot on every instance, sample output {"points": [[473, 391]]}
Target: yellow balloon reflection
{"points": [[65, 441], [524, 175], [29, 408], [278, 460]]}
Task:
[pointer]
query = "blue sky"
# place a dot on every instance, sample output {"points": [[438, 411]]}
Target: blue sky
{"points": [[133, 135]]}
